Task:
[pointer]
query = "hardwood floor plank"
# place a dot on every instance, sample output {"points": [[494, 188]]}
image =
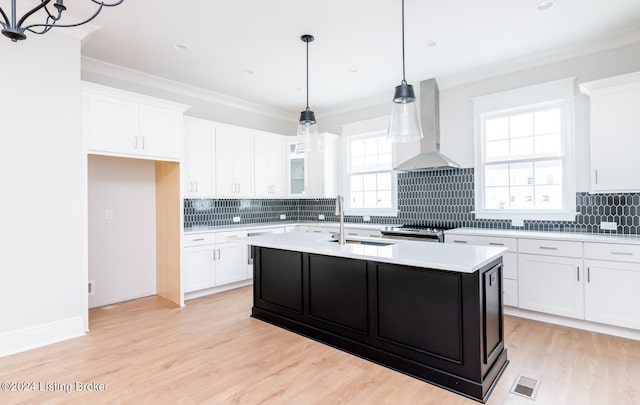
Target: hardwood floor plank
{"points": [[212, 351]]}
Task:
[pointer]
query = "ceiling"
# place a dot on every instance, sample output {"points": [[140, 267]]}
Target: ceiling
{"points": [[251, 49]]}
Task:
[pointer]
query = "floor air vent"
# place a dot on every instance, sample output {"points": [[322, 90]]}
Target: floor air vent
{"points": [[526, 387]]}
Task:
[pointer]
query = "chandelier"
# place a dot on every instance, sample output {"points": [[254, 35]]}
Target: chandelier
{"points": [[15, 28]]}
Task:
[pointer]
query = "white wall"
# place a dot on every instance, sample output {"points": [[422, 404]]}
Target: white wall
{"points": [[42, 176], [122, 248], [456, 109]]}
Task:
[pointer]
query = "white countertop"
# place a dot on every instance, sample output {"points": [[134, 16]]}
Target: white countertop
{"points": [[240, 227], [444, 256], [568, 236]]}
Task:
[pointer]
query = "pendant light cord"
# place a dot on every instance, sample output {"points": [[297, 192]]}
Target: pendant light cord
{"points": [[404, 81], [308, 74]]}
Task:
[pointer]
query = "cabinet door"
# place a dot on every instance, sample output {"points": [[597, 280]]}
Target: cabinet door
{"points": [[199, 267], [322, 168], [112, 125], [231, 263], [278, 168], [234, 158], [611, 293], [199, 159], [261, 178], [551, 284], [160, 132], [615, 139]]}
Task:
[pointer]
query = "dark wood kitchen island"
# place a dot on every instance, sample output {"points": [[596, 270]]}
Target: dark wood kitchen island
{"points": [[429, 310]]}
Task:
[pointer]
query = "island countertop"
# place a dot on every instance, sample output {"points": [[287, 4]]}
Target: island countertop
{"points": [[443, 256]]}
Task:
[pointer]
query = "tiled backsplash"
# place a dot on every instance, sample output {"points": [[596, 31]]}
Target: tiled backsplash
{"points": [[439, 198]]}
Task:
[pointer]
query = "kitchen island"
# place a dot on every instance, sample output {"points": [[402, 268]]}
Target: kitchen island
{"points": [[430, 310]]}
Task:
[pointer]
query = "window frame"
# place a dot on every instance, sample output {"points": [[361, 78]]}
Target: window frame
{"points": [[349, 210], [559, 93]]}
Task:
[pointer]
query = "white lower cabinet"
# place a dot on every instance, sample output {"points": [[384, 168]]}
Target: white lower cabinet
{"points": [[199, 267], [231, 264], [509, 261], [611, 293], [212, 260], [551, 284]]}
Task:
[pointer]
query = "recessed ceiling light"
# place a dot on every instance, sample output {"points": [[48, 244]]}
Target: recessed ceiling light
{"points": [[431, 43], [180, 47], [545, 5], [248, 71], [299, 88], [353, 70]]}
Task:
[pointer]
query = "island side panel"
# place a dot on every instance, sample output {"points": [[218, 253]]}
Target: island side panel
{"points": [[336, 295], [280, 288]]}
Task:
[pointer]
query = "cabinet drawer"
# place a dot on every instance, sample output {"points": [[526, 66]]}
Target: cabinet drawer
{"points": [[612, 251], [550, 247], [229, 236], [198, 239], [368, 233], [509, 243], [322, 229]]}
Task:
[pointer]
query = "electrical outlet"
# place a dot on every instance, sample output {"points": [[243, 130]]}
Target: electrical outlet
{"points": [[608, 226], [321, 217], [366, 218], [283, 216], [517, 222], [236, 219], [91, 288]]}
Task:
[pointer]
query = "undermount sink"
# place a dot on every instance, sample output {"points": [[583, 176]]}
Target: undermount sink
{"points": [[364, 242]]}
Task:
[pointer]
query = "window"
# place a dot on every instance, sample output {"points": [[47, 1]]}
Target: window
{"points": [[524, 158]]}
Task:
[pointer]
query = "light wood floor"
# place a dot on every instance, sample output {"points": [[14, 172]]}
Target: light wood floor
{"points": [[211, 351]]}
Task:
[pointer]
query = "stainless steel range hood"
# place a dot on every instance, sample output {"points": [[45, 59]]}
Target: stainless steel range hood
{"points": [[429, 156]]}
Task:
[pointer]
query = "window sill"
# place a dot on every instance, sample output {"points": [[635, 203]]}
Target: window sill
{"points": [[371, 212], [528, 215]]}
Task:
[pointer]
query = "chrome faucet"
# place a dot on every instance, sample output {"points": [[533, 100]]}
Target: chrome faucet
{"points": [[340, 213]]}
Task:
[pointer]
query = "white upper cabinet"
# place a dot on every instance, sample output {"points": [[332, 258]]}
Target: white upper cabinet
{"points": [[314, 174], [615, 133], [234, 162], [121, 123], [270, 165], [199, 155]]}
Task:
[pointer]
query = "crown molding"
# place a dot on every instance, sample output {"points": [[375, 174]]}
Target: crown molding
{"points": [[95, 66], [555, 55]]}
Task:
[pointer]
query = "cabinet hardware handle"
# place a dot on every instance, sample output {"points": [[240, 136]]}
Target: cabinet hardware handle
{"points": [[459, 241], [196, 183], [218, 254], [214, 254], [496, 244], [317, 231], [352, 234], [375, 236], [578, 272], [596, 176], [622, 253], [197, 240], [142, 142], [136, 142], [232, 236], [548, 248], [588, 274]]}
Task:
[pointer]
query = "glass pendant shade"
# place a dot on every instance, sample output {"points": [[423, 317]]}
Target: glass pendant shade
{"points": [[404, 125], [308, 139]]}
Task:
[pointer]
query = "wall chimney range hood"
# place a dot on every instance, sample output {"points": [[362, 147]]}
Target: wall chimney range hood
{"points": [[429, 157]]}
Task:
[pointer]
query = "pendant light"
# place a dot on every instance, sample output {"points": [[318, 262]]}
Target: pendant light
{"points": [[15, 29], [404, 125], [307, 139]]}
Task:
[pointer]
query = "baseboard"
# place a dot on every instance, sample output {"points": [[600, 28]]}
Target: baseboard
{"points": [[574, 323], [213, 290], [40, 335]]}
